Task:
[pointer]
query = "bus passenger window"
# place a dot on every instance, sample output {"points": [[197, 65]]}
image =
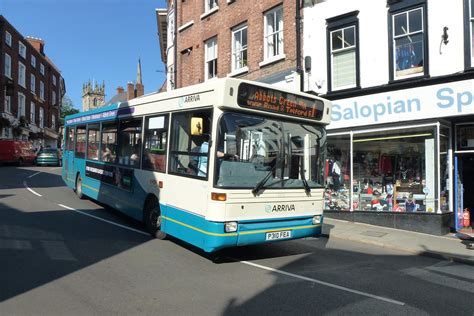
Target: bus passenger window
{"points": [[93, 142], [156, 136], [70, 139], [81, 142], [130, 142], [109, 142]]}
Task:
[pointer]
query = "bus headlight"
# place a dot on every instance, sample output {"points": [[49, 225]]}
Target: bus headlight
{"points": [[230, 227], [317, 219]]}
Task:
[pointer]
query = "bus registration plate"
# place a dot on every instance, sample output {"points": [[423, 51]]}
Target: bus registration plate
{"points": [[278, 235]]}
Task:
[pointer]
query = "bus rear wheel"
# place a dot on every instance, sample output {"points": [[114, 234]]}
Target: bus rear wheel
{"points": [[79, 187], [152, 219]]}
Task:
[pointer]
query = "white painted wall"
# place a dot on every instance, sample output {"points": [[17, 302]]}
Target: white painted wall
{"points": [[373, 42]]}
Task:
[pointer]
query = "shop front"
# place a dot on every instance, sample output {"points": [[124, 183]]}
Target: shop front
{"points": [[391, 160]]}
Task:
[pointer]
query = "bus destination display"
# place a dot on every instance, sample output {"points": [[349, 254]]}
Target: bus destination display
{"points": [[269, 100]]}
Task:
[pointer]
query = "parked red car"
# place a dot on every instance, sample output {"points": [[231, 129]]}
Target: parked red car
{"points": [[16, 151]]}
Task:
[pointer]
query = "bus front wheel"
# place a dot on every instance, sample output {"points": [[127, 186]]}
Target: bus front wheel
{"points": [[152, 219]]}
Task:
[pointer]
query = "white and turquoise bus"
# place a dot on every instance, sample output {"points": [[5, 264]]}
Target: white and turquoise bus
{"points": [[220, 164]]}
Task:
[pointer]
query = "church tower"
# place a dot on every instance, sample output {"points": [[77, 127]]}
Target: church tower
{"points": [[93, 95]]}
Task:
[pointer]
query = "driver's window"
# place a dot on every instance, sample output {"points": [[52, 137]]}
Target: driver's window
{"points": [[189, 152]]}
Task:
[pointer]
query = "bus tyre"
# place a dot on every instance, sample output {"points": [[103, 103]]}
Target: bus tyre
{"points": [[20, 162], [79, 187], [152, 219]]}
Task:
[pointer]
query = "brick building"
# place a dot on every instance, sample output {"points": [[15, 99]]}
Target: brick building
{"points": [[32, 89], [254, 40]]}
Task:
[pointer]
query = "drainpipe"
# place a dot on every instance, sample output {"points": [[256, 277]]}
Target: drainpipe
{"points": [[299, 68], [175, 44]]}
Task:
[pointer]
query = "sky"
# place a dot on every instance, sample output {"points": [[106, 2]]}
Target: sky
{"points": [[96, 40]]}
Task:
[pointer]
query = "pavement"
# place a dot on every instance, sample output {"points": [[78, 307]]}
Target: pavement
{"points": [[458, 247]]}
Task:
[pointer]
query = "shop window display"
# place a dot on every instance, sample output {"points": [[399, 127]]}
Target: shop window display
{"points": [[394, 171], [337, 174]]}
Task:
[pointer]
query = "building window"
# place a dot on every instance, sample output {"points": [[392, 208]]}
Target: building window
{"points": [[7, 70], [7, 132], [33, 61], [53, 121], [54, 80], [273, 43], [211, 59], [41, 117], [22, 75], [210, 4], [469, 36], [53, 98], [343, 58], [33, 83], [41, 90], [8, 102], [239, 48], [408, 43], [21, 105], [8, 38], [42, 69], [32, 113], [22, 49]]}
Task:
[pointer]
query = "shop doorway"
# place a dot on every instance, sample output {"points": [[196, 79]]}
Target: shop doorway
{"points": [[465, 183]]}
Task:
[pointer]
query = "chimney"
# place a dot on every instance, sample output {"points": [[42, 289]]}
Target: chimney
{"points": [[119, 90], [140, 90], [37, 44], [130, 91]]}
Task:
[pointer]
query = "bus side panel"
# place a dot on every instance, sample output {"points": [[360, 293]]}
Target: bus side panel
{"points": [[195, 229], [129, 202]]}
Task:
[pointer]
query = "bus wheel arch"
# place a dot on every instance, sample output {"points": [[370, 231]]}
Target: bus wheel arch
{"points": [[152, 217]]}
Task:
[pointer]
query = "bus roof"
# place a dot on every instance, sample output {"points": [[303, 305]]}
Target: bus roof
{"points": [[222, 93]]}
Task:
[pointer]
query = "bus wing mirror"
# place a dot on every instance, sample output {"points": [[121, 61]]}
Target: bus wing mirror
{"points": [[196, 126]]}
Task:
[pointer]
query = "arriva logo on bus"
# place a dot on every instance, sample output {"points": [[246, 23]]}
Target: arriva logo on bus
{"points": [[409, 104], [279, 208]]}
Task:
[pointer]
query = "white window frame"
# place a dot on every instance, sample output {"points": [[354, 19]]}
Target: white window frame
{"points": [[33, 83], [8, 101], [42, 69], [346, 47], [33, 61], [210, 44], [32, 113], [471, 30], [22, 49], [7, 131], [270, 51], [53, 97], [41, 117], [21, 105], [8, 38], [53, 121], [210, 5], [41, 90], [411, 72], [238, 50], [7, 68], [22, 74], [54, 80]]}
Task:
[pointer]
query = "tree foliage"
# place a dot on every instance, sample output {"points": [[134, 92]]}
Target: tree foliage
{"points": [[67, 108]]}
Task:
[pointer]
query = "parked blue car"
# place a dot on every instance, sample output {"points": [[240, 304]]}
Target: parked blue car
{"points": [[51, 157]]}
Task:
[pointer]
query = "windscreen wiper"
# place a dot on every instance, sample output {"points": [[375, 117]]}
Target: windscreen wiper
{"points": [[307, 189], [262, 182]]}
